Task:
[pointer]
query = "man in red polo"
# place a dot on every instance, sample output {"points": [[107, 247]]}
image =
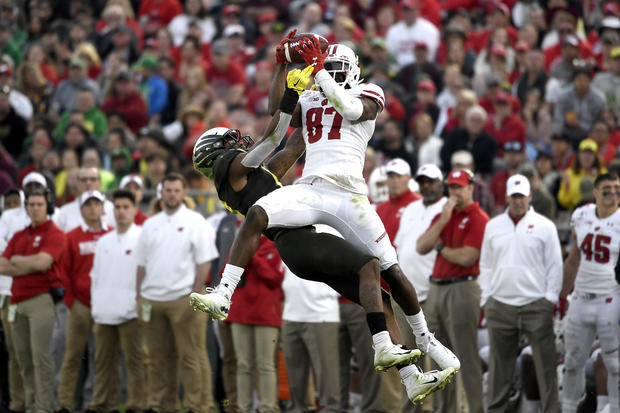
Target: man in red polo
{"points": [[81, 243], [453, 301], [31, 258], [398, 177]]}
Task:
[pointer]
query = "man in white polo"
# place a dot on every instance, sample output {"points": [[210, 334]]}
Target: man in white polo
{"points": [[416, 218], [114, 311], [520, 280], [69, 216], [174, 256]]}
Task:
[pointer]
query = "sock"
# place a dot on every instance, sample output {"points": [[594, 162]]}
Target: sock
{"points": [[376, 322], [381, 339], [601, 401], [406, 371], [417, 323], [230, 278], [531, 406]]}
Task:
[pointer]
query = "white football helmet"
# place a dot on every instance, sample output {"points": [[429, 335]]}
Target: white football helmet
{"points": [[342, 64]]}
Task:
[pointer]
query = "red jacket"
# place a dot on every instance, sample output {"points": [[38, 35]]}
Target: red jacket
{"points": [[391, 211], [132, 107], [258, 297], [160, 11], [77, 264], [512, 129], [47, 238]]}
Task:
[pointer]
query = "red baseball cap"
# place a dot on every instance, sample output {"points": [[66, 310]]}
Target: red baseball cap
{"points": [[503, 96], [611, 8], [522, 46], [231, 9], [420, 45], [427, 85], [460, 177], [498, 50], [410, 4]]}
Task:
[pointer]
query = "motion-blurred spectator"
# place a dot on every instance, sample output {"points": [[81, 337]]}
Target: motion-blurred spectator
{"points": [[94, 119], [124, 98], [402, 36], [578, 106], [194, 11], [18, 101]]}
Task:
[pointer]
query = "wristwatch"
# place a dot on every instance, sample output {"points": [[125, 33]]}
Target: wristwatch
{"points": [[439, 247]]}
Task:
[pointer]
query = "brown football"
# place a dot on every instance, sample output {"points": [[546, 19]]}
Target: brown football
{"points": [[290, 54]]}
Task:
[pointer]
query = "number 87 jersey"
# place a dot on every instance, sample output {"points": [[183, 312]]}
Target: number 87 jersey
{"points": [[598, 241], [335, 147]]}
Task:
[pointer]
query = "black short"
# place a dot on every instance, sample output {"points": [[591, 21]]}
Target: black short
{"points": [[322, 257]]}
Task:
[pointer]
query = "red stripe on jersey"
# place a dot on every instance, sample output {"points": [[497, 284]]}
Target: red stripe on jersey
{"points": [[372, 93], [376, 99]]}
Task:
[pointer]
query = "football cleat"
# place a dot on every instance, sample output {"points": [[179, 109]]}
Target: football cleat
{"points": [[394, 355], [420, 385], [438, 352], [214, 302]]}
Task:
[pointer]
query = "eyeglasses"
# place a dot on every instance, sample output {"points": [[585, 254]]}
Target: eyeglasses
{"points": [[513, 146], [89, 179]]}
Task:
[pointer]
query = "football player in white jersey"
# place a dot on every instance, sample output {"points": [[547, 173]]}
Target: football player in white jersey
{"points": [[337, 119], [589, 271]]}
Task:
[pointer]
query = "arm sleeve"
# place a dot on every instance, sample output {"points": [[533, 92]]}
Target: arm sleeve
{"points": [[486, 267], [349, 106], [553, 265], [205, 249]]}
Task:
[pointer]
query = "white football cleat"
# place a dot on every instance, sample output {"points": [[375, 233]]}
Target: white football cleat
{"points": [[438, 352], [214, 302], [393, 355], [419, 385]]}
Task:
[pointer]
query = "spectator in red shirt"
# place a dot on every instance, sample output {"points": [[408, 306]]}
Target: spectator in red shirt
{"points": [[157, 13], [454, 296], [258, 93], [135, 184], [398, 177], [32, 258], [255, 333], [76, 267], [505, 126], [126, 100], [235, 38], [225, 77], [497, 17], [514, 158], [600, 134], [553, 53]]}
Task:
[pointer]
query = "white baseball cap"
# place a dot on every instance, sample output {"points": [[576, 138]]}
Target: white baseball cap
{"points": [[430, 171], [518, 184], [131, 178], [34, 177], [398, 166], [89, 195]]}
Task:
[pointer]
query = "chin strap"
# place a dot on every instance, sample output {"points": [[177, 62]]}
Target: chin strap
{"points": [[350, 107]]}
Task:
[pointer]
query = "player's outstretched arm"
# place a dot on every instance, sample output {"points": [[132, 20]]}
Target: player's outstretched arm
{"points": [[350, 107], [571, 265], [284, 159], [296, 80]]}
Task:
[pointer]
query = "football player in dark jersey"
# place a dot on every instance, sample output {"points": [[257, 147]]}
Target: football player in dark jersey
{"points": [[219, 154]]}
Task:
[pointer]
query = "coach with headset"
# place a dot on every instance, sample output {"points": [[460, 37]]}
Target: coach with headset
{"points": [[453, 303], [32, 259]]}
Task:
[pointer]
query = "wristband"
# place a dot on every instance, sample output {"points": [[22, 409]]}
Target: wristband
{"points": [[289, 101], [439, 247]]}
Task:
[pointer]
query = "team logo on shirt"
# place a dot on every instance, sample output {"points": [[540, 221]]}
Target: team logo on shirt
{"points": [[463, 223], [36, 242], [128, 252], [381, 237], [87, 247], [597, 228], [530, 229], [180, 229]]}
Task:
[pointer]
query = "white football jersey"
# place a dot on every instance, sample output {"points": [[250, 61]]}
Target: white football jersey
{"points": [[335, 147], [598, 241]]}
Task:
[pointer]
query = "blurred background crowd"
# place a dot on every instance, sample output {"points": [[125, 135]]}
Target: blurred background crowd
{"points": [[127, 86]]}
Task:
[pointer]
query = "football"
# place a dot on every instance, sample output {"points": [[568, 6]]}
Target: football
{"points": [[290, 54]]}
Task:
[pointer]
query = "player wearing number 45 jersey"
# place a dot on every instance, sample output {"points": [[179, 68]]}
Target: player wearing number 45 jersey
{"points": [[591, 268], [337, 121]]}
